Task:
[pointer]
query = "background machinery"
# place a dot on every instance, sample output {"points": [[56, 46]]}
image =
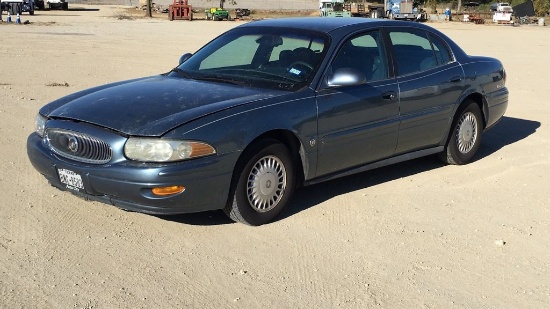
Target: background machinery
{"points": [[333, 8], [392, 9], [180, 9]]}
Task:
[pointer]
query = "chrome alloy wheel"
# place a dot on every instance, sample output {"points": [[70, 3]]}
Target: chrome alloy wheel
{"points": [[266, 183], [466, 132]]}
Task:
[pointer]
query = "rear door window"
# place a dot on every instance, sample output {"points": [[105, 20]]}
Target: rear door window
{"points": [[415, 51]]}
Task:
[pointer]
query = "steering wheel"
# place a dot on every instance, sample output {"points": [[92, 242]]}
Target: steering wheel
{"points": [[303, 67], [301, 63]]}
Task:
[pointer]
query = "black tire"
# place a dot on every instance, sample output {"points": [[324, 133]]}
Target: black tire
{"points": [[65, 6], [262, 185], [374, 14], [379, 13], [465, 135]]}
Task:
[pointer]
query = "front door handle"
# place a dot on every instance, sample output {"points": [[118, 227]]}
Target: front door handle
{"points": [[389, 96]]}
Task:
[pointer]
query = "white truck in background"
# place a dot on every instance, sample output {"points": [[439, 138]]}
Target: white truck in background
{"points": [[502, 12], [401, 10]]}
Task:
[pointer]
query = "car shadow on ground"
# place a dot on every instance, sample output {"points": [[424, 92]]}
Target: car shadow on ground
{"points": [[507, 131], [215, 217]]}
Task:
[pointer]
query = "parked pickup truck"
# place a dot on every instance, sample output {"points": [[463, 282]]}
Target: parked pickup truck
{"points": [[58, 4], [501, 7]]}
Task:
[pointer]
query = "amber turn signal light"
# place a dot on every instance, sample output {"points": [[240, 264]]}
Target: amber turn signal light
{"points": [[168, 190]]}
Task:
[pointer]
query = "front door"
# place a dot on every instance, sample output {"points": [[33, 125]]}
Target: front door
{"points": [[358, 124]]}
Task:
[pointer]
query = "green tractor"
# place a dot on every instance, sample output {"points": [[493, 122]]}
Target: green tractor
{"points": [[217, 14]]}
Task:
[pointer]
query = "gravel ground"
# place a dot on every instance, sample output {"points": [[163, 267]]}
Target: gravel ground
{"points": [[414, 235]]}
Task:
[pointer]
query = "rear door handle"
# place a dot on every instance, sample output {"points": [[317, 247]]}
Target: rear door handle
{"points": [[456, 79], [389, 96]]}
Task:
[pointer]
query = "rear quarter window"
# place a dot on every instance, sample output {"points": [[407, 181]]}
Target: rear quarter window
{"points": [[441, 51]]}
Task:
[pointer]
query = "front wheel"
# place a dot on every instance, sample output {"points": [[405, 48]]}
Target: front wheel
{"points": [[465, 136], [264, 185]]}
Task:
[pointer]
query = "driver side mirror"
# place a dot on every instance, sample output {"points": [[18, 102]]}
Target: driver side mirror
{"points": [[346, 77], [184, 57]]}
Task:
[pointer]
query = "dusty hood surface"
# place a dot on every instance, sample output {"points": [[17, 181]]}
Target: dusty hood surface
{"points": [[152, 106]]}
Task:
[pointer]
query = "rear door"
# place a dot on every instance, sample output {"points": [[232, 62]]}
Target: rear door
{"points": [[430, 82]]}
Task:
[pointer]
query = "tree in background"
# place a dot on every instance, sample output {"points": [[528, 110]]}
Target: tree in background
{"points": [[542, 7], [232, 2], [432, 4], [149, 10]]}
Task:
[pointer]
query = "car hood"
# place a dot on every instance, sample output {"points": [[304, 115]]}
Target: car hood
{"points": [[152, 106]]}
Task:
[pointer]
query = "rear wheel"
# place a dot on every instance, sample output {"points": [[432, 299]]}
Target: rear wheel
{"points": [[465, 136], [264, 184]]}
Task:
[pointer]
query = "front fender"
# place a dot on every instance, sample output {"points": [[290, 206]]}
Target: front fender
{"points": [[232, 130]]}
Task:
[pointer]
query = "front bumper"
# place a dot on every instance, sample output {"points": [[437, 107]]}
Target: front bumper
{"points": [[128, 184]]}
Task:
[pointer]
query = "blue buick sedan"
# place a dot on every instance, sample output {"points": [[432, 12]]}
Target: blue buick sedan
{"points": [[265, 108]]}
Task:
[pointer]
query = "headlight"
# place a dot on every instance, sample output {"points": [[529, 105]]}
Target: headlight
{"points": [[40, 124], [163, 150]]}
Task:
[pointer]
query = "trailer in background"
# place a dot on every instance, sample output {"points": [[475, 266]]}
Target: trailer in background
{"points": [[15, 7], [391, 9]]}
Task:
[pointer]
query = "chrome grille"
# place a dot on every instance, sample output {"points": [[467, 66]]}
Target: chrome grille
{"points": [[79, 147]]}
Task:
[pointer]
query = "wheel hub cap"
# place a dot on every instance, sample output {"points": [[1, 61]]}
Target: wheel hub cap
{"points": [[466, 134], [266, 183]]}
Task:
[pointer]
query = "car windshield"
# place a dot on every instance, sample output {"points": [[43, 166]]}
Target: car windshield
{"points": [[264, 57]]}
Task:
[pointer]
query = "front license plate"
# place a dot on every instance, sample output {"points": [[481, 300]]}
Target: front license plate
{"points": [[70, 179]]}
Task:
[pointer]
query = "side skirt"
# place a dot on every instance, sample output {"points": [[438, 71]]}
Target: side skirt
{"points": [[385, 162]]}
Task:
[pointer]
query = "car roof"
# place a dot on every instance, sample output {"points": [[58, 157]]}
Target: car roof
{"points": [[327, 24], [330, 25]]}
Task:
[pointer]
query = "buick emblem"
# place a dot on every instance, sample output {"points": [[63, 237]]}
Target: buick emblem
{"points": [[72, 144]]}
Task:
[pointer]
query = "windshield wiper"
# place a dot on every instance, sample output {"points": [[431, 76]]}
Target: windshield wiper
{"points": [[181, 72], [222, 79], [216, 78]]}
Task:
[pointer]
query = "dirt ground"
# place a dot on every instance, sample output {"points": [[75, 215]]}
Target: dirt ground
{"points": [[414, 235]]}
